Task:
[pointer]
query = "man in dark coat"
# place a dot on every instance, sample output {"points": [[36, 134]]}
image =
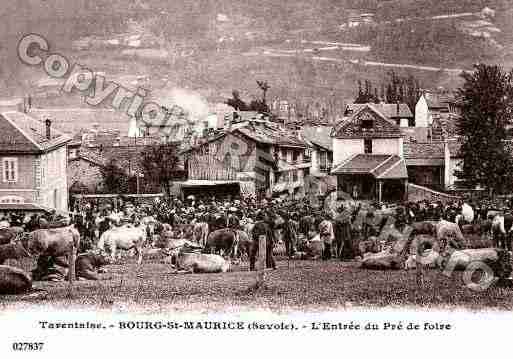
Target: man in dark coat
{"points": [[289, 235], [261, 228], [342, 230]]}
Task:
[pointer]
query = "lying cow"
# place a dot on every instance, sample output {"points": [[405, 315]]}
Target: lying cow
{"points": [[199, 262], [89, 264], [14, 280]]}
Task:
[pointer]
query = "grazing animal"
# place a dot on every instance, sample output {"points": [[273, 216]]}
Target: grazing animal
{"points": [[14, 280], [125, 238]]}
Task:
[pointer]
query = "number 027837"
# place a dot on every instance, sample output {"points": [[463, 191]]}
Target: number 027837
{"points": [[27, 346]]}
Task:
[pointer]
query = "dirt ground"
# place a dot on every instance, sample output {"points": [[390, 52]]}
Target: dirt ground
{"points": [[294, 285]]}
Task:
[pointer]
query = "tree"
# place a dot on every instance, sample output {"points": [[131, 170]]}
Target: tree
{"points": [[264, 86], [160, 164], [115, 179], [368, 96], [236, 102], [487, 99]]}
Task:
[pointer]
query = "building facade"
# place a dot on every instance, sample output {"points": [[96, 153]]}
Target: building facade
{"points": [[368, 156], [33, 161], [253, 157]]}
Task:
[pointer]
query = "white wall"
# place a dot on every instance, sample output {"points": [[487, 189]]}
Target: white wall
{"points": [[422, 115], [345, 148], [315, 161], [387, 146], [454, 164]]}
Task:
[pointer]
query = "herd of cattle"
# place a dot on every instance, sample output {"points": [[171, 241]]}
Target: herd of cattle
{"points": [[191, 248]]}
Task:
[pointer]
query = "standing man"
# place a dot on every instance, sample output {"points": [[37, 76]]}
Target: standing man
{"points": [[327, 235], [342, 230], [261, 228], [289, 235]]}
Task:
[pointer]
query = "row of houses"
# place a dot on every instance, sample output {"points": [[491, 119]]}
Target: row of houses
{"points": [[374, 152]]}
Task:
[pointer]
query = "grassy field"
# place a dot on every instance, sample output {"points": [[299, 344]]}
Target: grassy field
{"points": [[298, 285]]}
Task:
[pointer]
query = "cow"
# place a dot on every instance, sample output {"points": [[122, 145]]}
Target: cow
{"points": [[201, 263], [125, 238], [201, 233], [88, 264], [7, 235], [502, 228], [222, 240], [14, 280], [53, 242]]}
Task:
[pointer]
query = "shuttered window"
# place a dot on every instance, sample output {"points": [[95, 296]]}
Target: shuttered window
{"points": [[10, 169]]}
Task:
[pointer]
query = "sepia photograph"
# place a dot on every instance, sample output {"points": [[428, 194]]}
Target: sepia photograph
{"points": [[256, 172]]}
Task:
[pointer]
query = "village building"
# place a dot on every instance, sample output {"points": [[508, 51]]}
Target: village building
{"points": [[320, 181], [437, 113], [251, 156], [91, 150], [368, 156], [33, 160], [373, 160]]}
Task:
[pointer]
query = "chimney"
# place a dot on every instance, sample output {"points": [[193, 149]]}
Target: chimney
{"points": [[48, 124]]}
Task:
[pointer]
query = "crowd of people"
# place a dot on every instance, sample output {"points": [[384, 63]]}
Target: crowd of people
{"points": [[292, 222]]}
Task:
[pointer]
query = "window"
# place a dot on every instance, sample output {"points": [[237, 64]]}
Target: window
{"points": [[295, 155], [367, 124], [323, 159], [10, 169], [284, 154], [228, 160], [411, 122], [367, 145], [294, 176]]}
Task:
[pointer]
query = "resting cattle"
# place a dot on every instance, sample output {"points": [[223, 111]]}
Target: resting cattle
{"points": [[7, 235], [200, 262], [88, 264], [14, 280], [125, 238]]}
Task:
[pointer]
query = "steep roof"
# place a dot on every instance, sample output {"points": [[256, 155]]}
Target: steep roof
{"points": [[438, 101], [428, 150], [22, 133], [447, 123], [319, 135], [379, 166], [382, 126], [387, 109], [266, 133]]}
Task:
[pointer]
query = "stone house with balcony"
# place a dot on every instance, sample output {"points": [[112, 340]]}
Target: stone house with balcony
{"points": [[33, 161], [250, 157]]}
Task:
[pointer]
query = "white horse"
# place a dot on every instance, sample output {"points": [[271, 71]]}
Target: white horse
{"points": [[125, 238]]}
